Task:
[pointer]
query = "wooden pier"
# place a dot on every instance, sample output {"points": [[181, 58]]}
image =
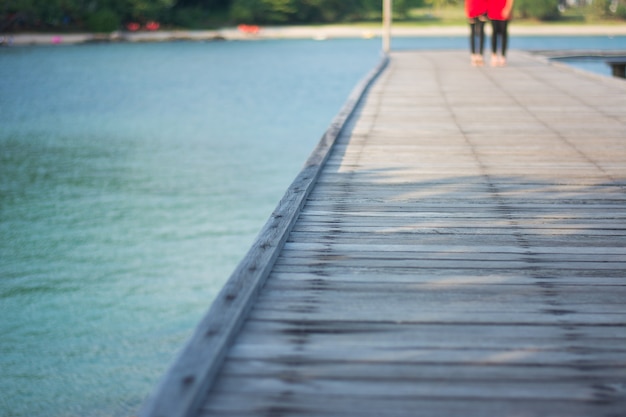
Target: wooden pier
{"points": [[455, 246]]}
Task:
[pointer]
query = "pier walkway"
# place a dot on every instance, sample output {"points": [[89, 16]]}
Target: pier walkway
{"points": [[460, 250]]}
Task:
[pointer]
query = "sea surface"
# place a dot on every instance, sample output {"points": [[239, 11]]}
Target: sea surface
{"points": [[133, 179]]}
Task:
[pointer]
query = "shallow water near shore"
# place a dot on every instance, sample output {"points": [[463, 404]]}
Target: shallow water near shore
{"points": [[133, 178]]}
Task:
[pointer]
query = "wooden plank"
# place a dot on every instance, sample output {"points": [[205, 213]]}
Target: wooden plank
{"points": [[525, 362], [524, 355], [437, 278], [365, 255], [462, 252], [428, 314], [290, 404], [531, 390], [484, 232], [334, 235], [483, 262], [500, 344], [411, 372], [416, 247], [537, 274], [609, 226], [310, 405], [483, 295], [495, 334]]}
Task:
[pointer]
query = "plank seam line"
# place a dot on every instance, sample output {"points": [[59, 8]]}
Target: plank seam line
{"points": [[564, 139], [181, 391]]}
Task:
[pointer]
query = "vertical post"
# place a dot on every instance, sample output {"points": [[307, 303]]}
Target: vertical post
{"points": [[387, 11]]}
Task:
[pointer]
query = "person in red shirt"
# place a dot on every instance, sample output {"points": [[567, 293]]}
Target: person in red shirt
{"points": [[499, 12], [476, 12]]}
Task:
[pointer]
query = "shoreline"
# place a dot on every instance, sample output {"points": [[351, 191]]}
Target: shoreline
{"points": [[299, 32]]}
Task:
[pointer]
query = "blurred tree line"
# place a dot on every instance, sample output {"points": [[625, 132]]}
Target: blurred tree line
{"points": [[110, 15]]}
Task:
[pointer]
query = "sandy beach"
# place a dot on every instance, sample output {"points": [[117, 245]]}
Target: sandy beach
{"points": [[300, 32]]}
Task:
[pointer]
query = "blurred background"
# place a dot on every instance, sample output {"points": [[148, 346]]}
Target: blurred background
{"points": [[112, 15]]}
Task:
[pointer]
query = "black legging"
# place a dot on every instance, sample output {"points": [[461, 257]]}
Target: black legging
{"points": [[499, 32], [477, 36]]}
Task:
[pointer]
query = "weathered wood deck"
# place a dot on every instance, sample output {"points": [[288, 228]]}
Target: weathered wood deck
{"points": [[461, 252]]}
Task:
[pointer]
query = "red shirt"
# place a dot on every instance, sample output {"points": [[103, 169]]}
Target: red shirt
{"points": [[475, 8], [495, 10]]}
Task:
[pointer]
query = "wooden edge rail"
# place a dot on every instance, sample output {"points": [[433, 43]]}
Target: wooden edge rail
{"points": [[579, 53], [615, 59], [180, 392], [618, 67], [558, 57]]}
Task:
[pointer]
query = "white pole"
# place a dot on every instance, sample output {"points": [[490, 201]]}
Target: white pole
{"points": [[387, 10]]}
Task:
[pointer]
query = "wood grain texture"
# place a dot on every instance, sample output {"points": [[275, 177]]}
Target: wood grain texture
{"points": [[461, 253]]}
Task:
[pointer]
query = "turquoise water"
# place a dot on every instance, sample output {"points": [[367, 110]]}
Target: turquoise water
{"points": [[133, 178]]}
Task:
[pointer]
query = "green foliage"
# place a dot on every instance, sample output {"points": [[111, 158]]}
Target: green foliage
{"points": [[190, 17], [247, 11], [148, 9], [538, 9], [302, 11], [13, 6], [600, 8], [97, 15], [103, 21], [609, 9], [322, 10], [203, 4], [401, 8], [263, 11], [337, 10], [621, 10], [103, 15], [438, 4]]}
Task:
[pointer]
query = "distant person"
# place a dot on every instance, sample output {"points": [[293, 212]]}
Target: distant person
{"points": [[476, 12], [499, 12]]}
